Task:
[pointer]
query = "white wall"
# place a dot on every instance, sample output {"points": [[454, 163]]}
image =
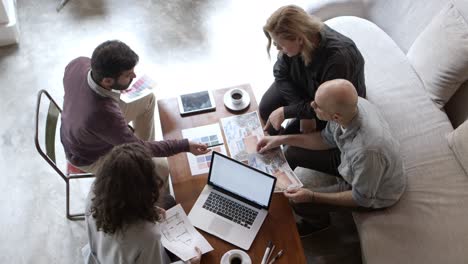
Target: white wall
{"points": [[3, 13], [9, 33]]}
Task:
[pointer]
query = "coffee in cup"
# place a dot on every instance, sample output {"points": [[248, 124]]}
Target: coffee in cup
{"points": [[235, 259], [236, 96]]}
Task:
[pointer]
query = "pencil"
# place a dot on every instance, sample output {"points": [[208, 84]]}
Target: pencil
{"points": [[280, 253], [271, 253]]}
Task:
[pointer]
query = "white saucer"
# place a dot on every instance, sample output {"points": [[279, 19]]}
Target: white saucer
{"points": [[239, 107], [245, 258]]}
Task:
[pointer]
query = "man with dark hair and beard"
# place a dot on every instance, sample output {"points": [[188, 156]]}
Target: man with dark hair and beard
{"points": [[94, 119]]}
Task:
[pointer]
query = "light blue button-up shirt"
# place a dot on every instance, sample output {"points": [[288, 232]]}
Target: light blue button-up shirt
{"points": [[370, 157]]}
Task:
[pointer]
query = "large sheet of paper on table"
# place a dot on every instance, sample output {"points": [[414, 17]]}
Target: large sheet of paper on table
{"points": [[242, 133], [180, 237]]}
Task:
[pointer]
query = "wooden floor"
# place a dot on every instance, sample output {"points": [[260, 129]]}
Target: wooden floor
{"points": [[337, 244]]}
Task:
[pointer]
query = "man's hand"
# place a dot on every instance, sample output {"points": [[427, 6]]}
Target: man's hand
{"points": [[196, 259], [308, 126], [275, 119], [268, 142], [299, 195], [198, 148]]}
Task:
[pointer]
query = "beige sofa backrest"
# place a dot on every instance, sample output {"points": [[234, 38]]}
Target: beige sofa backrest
{"points": [[403, 21]]}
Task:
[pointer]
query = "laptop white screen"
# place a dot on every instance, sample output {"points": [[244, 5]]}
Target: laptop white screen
{"points": [[241, 180]]}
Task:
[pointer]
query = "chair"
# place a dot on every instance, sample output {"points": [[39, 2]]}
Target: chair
{"points": [[61, 4], [72, 173]]}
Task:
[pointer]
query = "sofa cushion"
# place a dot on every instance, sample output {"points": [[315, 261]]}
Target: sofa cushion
{"points": [[458, 142], [440, 54], [426, 225], [403, 20]]}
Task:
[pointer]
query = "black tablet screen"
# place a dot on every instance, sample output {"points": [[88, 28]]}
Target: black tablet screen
{"points": [[196, 101]]}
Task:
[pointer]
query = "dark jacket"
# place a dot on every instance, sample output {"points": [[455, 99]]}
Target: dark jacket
{"points": [[336, 57]]}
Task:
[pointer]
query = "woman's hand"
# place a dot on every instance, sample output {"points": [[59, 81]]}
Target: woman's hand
{"points": [[275, 119], [196, 259], [161, 212]]}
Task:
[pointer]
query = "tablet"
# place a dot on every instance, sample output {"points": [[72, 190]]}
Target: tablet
{"points": [[196, 102]]}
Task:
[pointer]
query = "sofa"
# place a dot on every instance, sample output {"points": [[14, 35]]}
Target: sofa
{"points": [[416, 68]]}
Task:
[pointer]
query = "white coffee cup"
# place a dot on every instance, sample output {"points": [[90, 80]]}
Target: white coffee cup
{"points": [[236, 256], [237, 95]]}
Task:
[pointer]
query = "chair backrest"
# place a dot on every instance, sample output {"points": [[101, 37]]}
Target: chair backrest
{"points": [[53, 114]]}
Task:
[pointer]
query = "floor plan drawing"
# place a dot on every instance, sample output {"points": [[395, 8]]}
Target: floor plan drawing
{"points": [[176, 231], [179, 236]]}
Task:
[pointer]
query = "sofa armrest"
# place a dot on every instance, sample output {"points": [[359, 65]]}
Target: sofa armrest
{"points": [[326, 9]]}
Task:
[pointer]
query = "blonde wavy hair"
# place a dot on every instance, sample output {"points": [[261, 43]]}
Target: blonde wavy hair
{"points": [[291, 22]]}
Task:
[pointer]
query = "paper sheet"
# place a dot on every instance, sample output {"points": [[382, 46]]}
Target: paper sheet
{"points": [[180, 237], [210, 135], [140, 88], [242, 133], [274, 163]]}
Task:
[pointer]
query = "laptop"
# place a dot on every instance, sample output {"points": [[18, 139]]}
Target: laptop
{"points": [[234, 202]]}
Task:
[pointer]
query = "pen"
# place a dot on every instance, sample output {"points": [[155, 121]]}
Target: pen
{"points": [[267, 251], [271, 253], [214, 145], [280, 253]]}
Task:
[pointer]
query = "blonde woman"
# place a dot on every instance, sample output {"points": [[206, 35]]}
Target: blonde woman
{"points": [[310, 53]]}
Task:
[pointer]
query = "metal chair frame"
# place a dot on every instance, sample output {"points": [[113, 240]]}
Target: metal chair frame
{"points": [[53, 113], [61, 5]]}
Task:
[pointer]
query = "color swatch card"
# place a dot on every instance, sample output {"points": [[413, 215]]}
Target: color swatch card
{"points": [[141, 88], [210, 135]]}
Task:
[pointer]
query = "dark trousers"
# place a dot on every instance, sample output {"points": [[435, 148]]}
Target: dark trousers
{"points": [[326, 161], [275, 97], [279, 95]]}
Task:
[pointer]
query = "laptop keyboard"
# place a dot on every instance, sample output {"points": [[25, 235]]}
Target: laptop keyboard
{"points": [[230, 210]]}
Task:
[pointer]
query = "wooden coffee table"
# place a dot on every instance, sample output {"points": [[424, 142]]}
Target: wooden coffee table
{"points": [[279, 225]]}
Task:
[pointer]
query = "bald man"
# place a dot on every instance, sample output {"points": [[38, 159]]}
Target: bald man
{"points": [[356, 146]]}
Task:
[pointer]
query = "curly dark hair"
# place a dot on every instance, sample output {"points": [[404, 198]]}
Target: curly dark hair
{"points": [[126, 188], [111, 58]]}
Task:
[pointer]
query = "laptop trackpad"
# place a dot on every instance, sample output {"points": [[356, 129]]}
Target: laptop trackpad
{"points": [[220, 226]]}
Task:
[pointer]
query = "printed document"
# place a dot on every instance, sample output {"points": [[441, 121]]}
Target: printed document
{"points": [[210, 135], [180, 237], [242, 133]]}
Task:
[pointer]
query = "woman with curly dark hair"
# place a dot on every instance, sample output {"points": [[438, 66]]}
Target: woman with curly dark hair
{"points": [[121, 212]]}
